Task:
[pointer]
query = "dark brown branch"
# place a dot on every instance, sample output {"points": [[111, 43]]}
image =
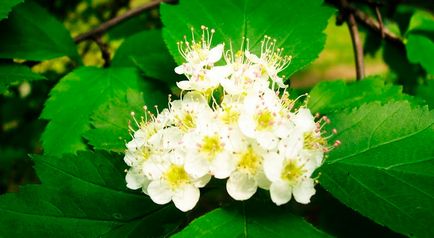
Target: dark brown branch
{"points": [[357, 46], [348, 16], [380, 21], [369, 22], [114, 21], [104, 48]]}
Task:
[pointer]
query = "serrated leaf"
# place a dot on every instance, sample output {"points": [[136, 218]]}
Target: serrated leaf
{"points": [[31, 33], [252, 219], [297, 25], [415, 54], [15, 73], [80, 196], [147, 51], [420, 35], [75, 98], [384, 168], [426, 92], [326, 97], [6, 6], [111, 120]]}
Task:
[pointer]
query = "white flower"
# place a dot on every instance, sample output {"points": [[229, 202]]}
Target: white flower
{"points": [[289, 176], [199, 68], [176, 185], [264, 119], [190, 112], [271, 61], [244, 76], [248, 175]]}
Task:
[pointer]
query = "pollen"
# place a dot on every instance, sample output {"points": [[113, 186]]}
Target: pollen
{"points": [[176, 176], [264, 120], [211, 145], [230, 116], [249, 161], [186, 121], [292, 171]]}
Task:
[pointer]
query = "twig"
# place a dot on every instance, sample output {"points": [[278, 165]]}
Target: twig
{"points": [[380, 21], [104, 48], [369, 22], [355, 39], [114, 21]]}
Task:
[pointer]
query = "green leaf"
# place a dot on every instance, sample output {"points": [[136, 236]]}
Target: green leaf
{"points": [[31, 33], [384, 168], [326, 97], [251, 219], [420, 49], [420, 35], [147, 51], [75, 98], [297, 25], [426, 92], [6, 6], [80, 196], [12, 73], [111, 120]]}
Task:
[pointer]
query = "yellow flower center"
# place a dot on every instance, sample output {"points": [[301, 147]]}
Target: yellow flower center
{"points": [[176, 176], [312, 142], [146, 153], [186, 122], [264, 120], [292, 171], [211, 146], [230, 116], [250, 161]]}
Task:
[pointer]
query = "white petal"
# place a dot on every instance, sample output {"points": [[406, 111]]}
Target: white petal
{"points": [[262, 180], [273, 164], [280, 192], [215, 54], [252, 57], [291, 146], [304, 191], [223, 165], [184, 85], [186, 197], [134, 180], [304, 120], [160, 192], [179, 69], [267, 140], [241, 186], [247, 125], [130, 158], [202, 181], [197, 166]]}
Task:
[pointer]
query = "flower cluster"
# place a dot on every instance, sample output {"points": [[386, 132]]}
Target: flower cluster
{"points": [[251, 134]]}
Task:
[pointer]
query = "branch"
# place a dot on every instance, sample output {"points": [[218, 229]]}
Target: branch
{"points": [[355, 39], [114, 21], [357, 46], [104, 48], [369, 22]]}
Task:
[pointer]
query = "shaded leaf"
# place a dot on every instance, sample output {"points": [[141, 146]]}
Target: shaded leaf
{"points": [[384, 167], [301, 35], [75, 98], [31, 33], [80, 196], [111, 120], [253, 220], [11, 74], [6, 6], [326, 97], [147, 51]]}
